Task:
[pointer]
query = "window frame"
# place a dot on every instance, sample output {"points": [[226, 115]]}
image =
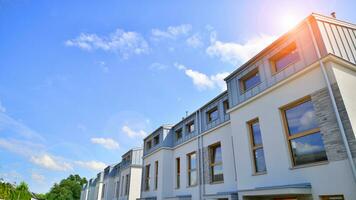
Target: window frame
{"points": [[289, 137], [226, 106], [127, 185], [292, 46], [209, 112], [211, 164], [190, 170], [103, 191], [189, 125], [156, 140], [156, 175], [180, 131], [246, 77], [178, 169], [117, 191], [149, 144], [255, 147], [147, 177]]}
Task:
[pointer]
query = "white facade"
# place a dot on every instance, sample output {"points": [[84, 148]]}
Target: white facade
{"points": [[284, 129]]}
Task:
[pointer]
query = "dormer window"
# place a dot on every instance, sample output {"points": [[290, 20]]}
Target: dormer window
{"points": [[179, 134], [190, 127], [212, 114], [226, 106], [284, 58], [250, 80], [149, 145], [156, 140]]}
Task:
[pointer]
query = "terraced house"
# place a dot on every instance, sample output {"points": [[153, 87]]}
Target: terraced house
{"points": [[117, 182], [284, 129]]}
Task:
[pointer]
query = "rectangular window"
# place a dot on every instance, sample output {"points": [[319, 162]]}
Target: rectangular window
{"points": [[177, 173], [192, 169], [156, 140], [179, 134], [103, 192], [216, 164], [147, 177], [285, 57], [117, 190], [303, 132], [257, 146], [226, 106], [149, 145], [190, 127], [122, 185], [250, 80], [156, 175], [332, 197], [127, 186], [212, 114]]}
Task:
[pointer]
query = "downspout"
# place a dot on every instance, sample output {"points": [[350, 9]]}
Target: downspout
{"points": [[201, 155], [199, 151], [333, 101]]}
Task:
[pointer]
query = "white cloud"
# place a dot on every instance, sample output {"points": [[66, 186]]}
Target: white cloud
{"points": [[107, 143], [172, 32], [133, 134], [2, 108], [236, 53], [50, 162], [158, 66], [195, 41], [125, 43], [92, 165], [305, 148], [39, 178], [203, 81]]}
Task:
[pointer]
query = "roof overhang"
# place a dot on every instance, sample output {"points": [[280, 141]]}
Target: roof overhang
{"points": [[294, 189]]}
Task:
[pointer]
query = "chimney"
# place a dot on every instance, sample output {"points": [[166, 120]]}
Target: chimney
{"points": [[333, 14]]}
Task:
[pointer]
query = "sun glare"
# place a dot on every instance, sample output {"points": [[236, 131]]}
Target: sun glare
{"points": [[289, 21]]}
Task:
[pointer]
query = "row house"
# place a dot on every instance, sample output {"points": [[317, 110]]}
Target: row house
{"points": [[284, 129], [117, 182]]}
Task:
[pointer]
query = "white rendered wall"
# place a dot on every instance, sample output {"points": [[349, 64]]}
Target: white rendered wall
{"points": [[277, 157], [135, 183]]}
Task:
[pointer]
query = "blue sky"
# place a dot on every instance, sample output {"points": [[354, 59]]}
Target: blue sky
{"points": [[81, 82]]}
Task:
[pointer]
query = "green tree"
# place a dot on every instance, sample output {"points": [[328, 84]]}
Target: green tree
{"points": [[13, 192], [67, 189]]}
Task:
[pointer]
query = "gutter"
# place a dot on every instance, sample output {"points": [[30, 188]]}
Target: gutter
{"points": [[333, 101]]}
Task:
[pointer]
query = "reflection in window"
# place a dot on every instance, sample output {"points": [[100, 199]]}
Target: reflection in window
{"points": [[250, 80], [216, 163], [190, 127], [303, 131], [257, 146], [285, 57], [212, 114], [179, 134], [192, 169]]}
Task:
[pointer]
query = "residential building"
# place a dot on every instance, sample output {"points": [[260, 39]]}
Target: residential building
{"points": [[284, 129], [117, 182]]}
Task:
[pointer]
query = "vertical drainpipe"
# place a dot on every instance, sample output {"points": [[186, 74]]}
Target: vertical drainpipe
{"points": [[333, 101], [201, 154], [199, 150]]}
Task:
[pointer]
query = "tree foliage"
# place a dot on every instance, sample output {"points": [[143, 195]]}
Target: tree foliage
{"points": [[67, 189], [12, 192]]}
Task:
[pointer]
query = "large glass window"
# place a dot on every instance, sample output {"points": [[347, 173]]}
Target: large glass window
{"points": [[250, 80], [127, 185], [192, 169], [179, 134], [212, 114], [190, 127], [216, 164], [285, 57], [103, 192], [177, 173], [156, 140], [147, 177], [257, 146], [156, 175], [117, 190], [306, 143]]}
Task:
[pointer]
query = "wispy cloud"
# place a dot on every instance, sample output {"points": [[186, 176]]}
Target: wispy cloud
{"points": [[107, 143], [2, 108], [92, 165], [172, 32], [158, 66], [37, 177], [203, 81], [132, 133], [236, 53], [50, 162], [195, 41], [126, 43]]}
